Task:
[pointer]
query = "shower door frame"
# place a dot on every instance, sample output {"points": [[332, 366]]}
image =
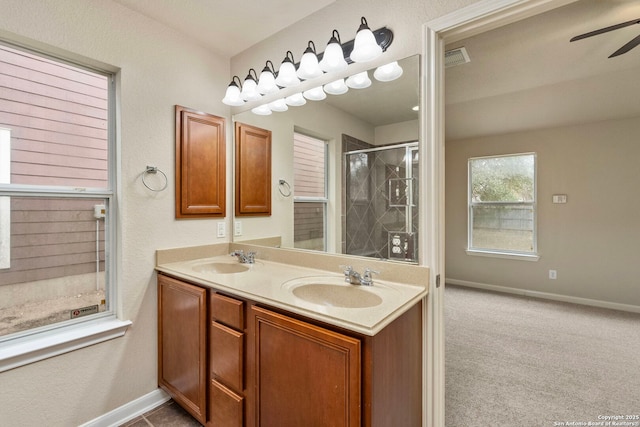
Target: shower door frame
{"points": [[409, 147]]}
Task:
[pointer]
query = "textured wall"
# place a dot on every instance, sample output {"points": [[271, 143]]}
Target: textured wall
{"points": [[591, 241], [159, 68]]}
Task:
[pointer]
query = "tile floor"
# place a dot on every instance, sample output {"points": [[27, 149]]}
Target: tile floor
{"points": [[169, 414]]}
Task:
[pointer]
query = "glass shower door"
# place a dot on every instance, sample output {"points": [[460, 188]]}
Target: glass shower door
{"points": [[381, 194]]}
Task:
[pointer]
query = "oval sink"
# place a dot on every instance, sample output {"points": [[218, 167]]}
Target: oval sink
{"points": [[348, 296], [221, 267]]}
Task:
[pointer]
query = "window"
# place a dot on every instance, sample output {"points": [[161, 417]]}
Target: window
{"points": [[502, 205], [56, 195], [310, 192]]}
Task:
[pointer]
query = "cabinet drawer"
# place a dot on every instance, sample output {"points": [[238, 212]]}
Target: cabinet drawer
{"points": [[226, 406], [227, 355], [228, 311]]}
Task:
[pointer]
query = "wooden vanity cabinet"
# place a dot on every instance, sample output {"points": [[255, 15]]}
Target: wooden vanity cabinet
{"points": [[182, 344], [303, 374], [264, 366], [226, 361]]}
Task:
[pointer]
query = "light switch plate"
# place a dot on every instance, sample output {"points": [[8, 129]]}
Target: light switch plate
{"points": [[237, 228], [559, 198], [222, 230]]}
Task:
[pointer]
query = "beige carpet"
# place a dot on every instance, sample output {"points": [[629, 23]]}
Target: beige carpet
{"points": [[518, 361]]}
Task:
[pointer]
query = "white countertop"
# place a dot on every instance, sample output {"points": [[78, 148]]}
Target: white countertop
{"points": [[271, 283]]}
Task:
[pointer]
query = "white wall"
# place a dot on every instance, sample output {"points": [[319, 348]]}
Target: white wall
{"points": [[592, 241], [158, 69]]}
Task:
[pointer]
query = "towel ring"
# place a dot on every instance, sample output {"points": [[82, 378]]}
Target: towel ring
{"points": [[153, 170], [284, 185]]}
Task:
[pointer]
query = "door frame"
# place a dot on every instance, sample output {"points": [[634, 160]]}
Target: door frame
{"points": [[476, 18]]}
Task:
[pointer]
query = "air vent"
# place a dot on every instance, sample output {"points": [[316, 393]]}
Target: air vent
{"points": [[455, 57]]}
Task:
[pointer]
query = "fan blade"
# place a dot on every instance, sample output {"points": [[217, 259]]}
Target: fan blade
{"points": [[605, 30], [627, 47]]}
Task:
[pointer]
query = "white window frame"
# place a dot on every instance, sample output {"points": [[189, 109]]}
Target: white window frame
{"points": [[5, 204], [324, 200], [44, 342], [503, 253]]}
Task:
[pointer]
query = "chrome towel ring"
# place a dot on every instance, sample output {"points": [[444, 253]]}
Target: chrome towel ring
{"points": [[154, 170], [284, 188]]}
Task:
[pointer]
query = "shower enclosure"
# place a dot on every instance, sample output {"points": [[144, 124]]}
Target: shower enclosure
{"points": [[381, 202]]}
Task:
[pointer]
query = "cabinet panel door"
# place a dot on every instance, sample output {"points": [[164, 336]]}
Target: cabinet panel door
{"points": [[304, 375], [228, 311], [182, 338], [226, 407], [200, 164], [227, 356], [253, 171]]}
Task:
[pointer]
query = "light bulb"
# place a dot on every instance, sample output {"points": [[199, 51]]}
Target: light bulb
{"points": [[232, 95], [365, 46], [309, 68], [337, 87], [333, 57], [389, 72], [262, 110], [279, 105], [267, 81], [287, 73], [315, 94], [359, 81], [250, 88], [295, 100]]}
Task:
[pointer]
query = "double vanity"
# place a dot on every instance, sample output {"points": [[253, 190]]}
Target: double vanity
{"points": [[288, 340]]}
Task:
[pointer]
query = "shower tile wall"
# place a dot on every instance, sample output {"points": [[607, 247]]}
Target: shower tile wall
{"points": [[368, 215]]}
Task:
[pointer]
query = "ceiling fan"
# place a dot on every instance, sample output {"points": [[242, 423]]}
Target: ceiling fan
{"points": [[624, 49]]}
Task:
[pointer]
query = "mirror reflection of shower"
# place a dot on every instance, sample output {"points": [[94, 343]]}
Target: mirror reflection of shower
{"points": [[381, 202]]}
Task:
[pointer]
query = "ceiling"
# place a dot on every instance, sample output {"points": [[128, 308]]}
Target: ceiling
{"points": [[522, 76], [226, 27], [527, 75]]}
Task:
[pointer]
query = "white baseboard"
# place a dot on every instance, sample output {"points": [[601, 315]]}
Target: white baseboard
{"points": [[130, 410], [547, 295]]}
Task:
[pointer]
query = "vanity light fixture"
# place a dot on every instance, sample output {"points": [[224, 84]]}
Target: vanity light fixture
{"points": [[333, 57], [337, 87], [267, 80], [287, 73], [388, 72], [232, 95], [315, 94], [359, 81], [250, 87], [365, 46], [262, 110], [295, 100], [309, 67], [279, 105]]}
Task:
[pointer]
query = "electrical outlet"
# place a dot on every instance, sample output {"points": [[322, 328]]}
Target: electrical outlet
{"points": [[237, 228], [222, 230], [553, 275]]}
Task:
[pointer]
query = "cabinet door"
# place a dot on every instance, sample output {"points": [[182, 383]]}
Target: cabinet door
{"points": [[200, 164], [182, 339], [303, 375], [253, 171]]}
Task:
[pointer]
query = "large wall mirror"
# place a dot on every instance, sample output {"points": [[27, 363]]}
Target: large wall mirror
{"points": [[344, 172]]}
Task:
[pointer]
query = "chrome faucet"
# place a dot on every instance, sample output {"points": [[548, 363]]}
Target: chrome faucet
{"points": [[249, 258], [355, 278]]}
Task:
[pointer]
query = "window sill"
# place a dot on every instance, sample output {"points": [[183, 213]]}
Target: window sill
{"points": [[23, 351], [504, 255]]}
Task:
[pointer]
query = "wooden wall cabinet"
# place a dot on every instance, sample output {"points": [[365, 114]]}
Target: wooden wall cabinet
{"points": [[200, 164], [252, 171], [234, 362]]}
